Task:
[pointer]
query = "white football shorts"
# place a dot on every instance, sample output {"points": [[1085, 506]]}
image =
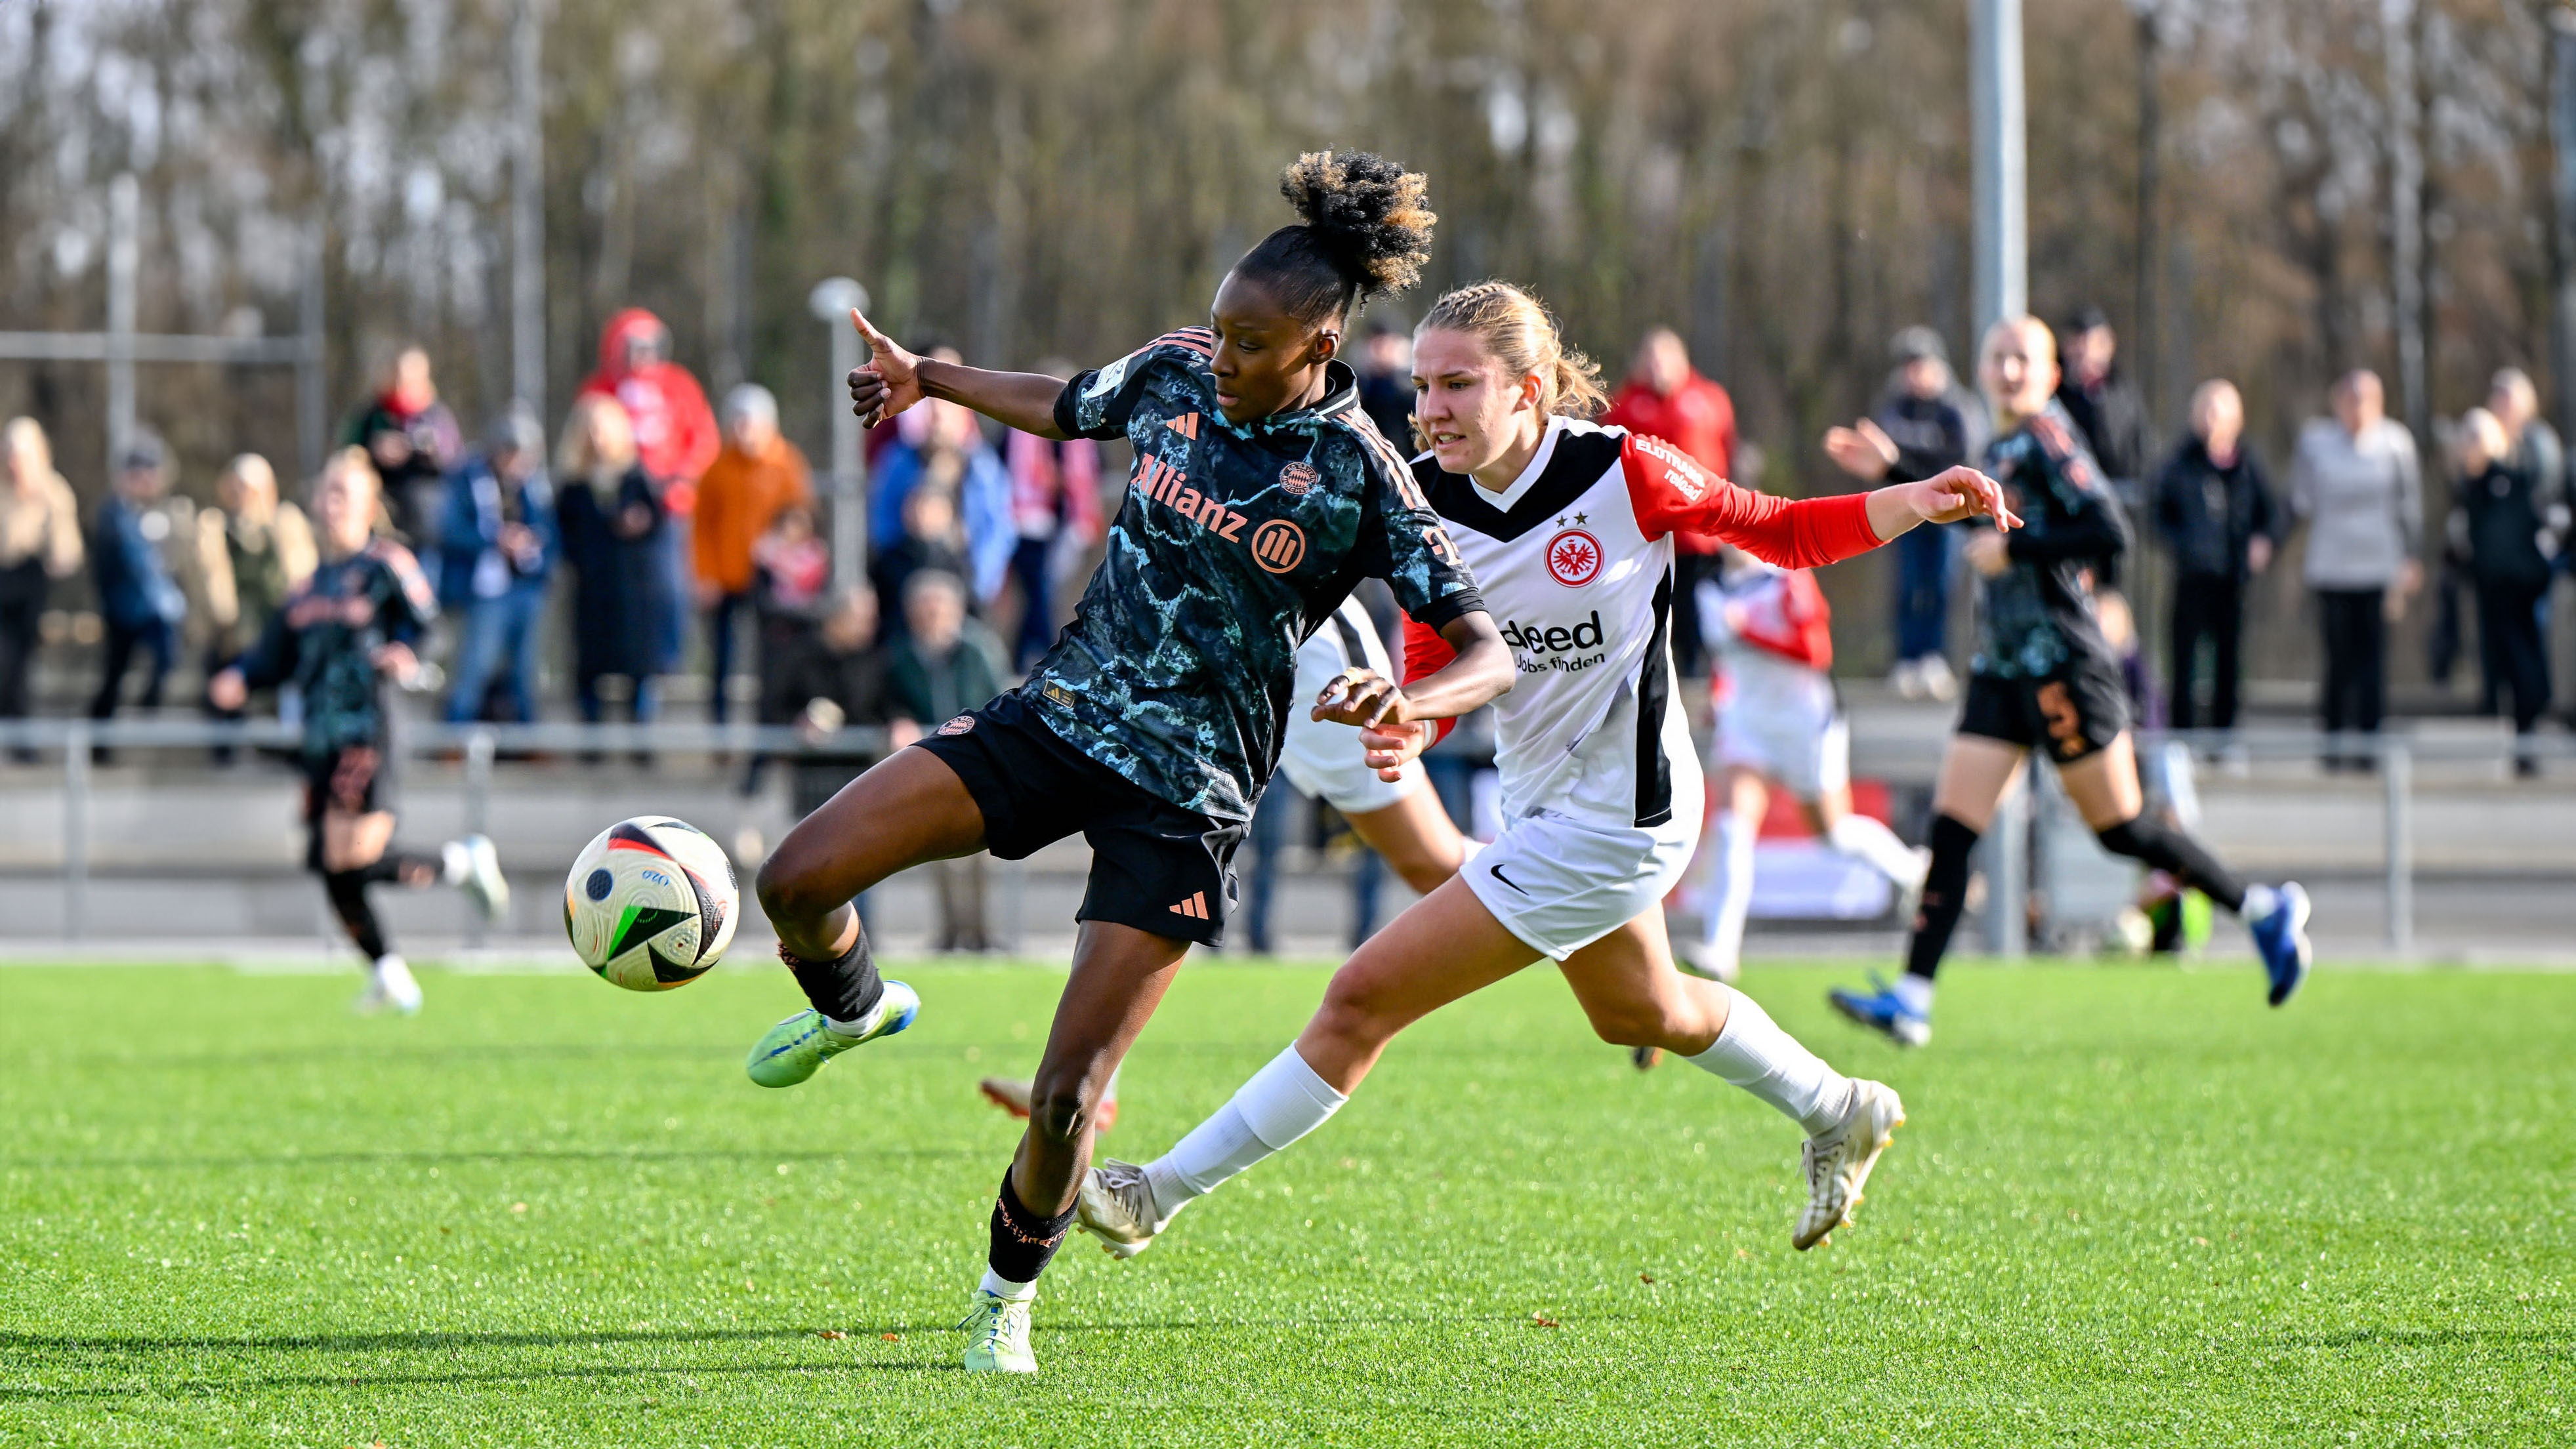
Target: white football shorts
{"points": [[1781, 719], [1321, 758], [1560, 883]]}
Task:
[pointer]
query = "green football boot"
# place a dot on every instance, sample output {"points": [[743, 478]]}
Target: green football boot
{"points": [[798, 1047], [997, 1336]]}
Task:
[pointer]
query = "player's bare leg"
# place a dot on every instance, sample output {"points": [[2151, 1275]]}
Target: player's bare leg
{"points": [[357, 852], [1416, 837], [1444, 947], [908, 808], [2104, 787]]}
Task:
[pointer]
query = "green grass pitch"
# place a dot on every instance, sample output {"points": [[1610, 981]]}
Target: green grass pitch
{"points": [[2133, 1206]]}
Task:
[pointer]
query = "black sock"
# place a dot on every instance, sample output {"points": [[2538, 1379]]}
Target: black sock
{"points": [[1023, 1242], [2178, 855], [348, 892], [1945, 894], [393, 865], [843, 989]]}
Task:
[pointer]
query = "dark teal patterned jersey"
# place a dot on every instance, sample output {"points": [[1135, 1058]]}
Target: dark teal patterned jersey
{"points": [[2037, 614], [1235, 543], [326, 636]]}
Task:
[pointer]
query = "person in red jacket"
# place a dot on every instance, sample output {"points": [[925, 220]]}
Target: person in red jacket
{"points": [[1665, 398], [675, 439]]}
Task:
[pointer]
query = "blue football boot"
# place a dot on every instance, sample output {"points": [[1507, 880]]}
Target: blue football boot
{"points": [[2281, 939], [1883, 1012]]}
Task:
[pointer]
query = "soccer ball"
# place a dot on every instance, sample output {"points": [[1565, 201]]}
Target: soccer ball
{"points": [[650, 903]]}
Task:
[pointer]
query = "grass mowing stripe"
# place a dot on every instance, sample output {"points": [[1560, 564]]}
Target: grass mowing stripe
{"points": [[2132, 1205]]}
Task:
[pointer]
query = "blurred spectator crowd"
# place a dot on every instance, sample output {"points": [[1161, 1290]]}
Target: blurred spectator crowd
{"points": [[654, 534]]}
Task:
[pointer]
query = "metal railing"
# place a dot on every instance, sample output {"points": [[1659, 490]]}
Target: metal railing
{"points": [[478, 746], [2394, 755]]}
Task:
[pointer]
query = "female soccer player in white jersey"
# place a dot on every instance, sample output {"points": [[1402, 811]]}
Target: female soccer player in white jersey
{"points": [[1779, 722], [2044, 678], [1568, 528]]}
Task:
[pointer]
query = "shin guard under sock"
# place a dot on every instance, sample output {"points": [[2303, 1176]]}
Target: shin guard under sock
{"points": [[348, 892], [1945, 893], [1023, 1242], [2178, 855], [844, 989]]}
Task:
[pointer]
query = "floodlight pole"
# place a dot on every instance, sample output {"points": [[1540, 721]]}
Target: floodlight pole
{"points": [[527, 208], [832, 301], [124, 202], [2406, 210], [2562, 145], [2000, 169], [2003, 290]]}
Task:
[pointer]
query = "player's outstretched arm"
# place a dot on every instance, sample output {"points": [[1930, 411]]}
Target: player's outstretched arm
{"points": [[893, 379], [1954, 495]]}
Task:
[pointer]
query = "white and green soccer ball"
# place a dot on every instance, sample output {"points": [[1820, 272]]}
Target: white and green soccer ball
{"points": [[650, 903]]}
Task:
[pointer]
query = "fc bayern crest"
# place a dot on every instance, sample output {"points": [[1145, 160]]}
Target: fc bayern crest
{"points": [[1296, 478], [1573, 557]]}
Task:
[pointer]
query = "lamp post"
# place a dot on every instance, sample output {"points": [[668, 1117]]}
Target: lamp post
{"points": [[832, 301]]}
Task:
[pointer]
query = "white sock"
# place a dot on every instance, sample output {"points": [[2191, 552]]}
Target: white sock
{"points": [[1755, 1054], [454, 860], [1001, 1287], [1877, 846], [1730, 888], [1283, 1102], [2260, 901], [1914, 992]]}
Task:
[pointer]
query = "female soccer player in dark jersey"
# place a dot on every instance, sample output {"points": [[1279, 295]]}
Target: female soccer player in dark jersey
{"points": [[1260, 494], [2043, 678], [341, 637]]}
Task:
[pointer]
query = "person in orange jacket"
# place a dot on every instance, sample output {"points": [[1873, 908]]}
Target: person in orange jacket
{"points": [[758, 475]]}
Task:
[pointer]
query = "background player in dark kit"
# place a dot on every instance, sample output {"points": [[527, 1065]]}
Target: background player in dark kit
{"points": [[341, 637], [2044, 678]]}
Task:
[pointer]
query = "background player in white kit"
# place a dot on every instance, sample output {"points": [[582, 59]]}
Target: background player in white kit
{"points": [[1779, 722], [1568, 528]]}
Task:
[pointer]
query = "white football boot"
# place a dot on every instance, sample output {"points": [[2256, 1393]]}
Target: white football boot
{"points": [[1117, 1207], [480, 877], [390, 987], [1838, 1159]]}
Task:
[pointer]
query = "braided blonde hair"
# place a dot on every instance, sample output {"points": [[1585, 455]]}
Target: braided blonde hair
{"points": [[1518, 331]]}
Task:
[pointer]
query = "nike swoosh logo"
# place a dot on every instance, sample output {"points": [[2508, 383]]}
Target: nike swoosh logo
{"points": [[1507, 880]]}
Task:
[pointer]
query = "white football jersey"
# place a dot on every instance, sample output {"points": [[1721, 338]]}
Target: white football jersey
{"points": [[1575, 562]]}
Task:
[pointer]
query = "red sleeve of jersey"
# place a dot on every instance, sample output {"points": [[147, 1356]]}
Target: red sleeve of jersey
{"points": [[1426, 653], [1813, 618], [1671, 494]]}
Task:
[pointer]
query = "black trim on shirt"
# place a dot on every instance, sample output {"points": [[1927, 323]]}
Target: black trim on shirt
{"points": [[1654, 686], [1579, 460]]}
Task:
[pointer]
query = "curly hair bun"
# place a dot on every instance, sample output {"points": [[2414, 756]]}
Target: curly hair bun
{"points": [[1369, 214]]}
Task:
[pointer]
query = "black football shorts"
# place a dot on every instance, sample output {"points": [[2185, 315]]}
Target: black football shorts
{"points": [[1154, 865], [2076, 711]]}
